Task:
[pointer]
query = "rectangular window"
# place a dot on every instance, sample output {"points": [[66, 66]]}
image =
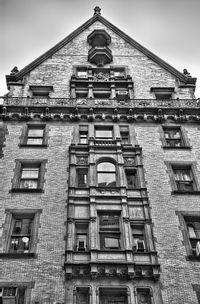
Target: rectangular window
{"points": [[124, 134], [162, 93], [82, 295], [184, 179], [109, 230], [41, 91], [83, 134], [21, 233], [193, 229], [104, 133], [12, 295], [29, 175], [138, 235], [82, 177], [81, 240], [131, 178], [34, 135], [113, 296], [174, 137], [143, 296]]}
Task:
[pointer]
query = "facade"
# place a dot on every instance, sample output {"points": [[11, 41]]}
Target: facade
{"points": [[100, 176]]}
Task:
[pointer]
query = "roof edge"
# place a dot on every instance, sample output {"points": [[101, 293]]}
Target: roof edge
{"points": [[187, 80]]}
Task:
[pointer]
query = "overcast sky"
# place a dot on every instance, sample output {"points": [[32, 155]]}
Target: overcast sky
{"points": [[168, 28]]}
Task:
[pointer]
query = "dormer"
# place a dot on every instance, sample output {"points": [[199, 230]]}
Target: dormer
{"points": [[99, 54]]}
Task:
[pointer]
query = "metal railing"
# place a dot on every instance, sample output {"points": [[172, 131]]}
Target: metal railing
{"points": [[99, 102]]}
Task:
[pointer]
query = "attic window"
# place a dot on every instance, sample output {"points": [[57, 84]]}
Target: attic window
{"points": [[162, 92], [41, 91]]}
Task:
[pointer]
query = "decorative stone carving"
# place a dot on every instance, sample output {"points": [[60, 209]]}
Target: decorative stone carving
{"points": [[82, 160], [136, 212], [129, 161], [101, 76]]}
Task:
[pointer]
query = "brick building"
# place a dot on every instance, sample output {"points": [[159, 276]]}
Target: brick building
{"points": [[100, 176]]}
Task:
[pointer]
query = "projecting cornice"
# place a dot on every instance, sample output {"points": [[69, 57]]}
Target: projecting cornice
{"points": [[16, 77]]}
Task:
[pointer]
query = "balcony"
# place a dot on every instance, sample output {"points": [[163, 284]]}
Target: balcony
{"points": [[100, 55]]}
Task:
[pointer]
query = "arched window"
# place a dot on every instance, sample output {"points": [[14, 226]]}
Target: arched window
{"points": [[106, 174]]}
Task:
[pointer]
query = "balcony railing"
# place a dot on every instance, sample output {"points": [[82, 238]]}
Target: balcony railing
{"points": [[99, 102]]}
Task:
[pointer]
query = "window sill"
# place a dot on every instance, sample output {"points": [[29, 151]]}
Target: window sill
{"points": [[32, 146], [9, 255], [195, 192], [176, 148], [193, 258], [38, 190]]}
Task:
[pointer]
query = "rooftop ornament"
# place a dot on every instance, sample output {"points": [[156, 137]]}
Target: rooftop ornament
{"points": [[14, 71], [186, 73], [97, 10]]}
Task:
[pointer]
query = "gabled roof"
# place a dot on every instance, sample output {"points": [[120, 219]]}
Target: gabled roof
{"points": [[97, 17]]}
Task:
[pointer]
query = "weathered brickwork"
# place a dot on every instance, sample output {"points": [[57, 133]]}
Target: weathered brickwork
{"points": [[46, 269], [178, 274]]}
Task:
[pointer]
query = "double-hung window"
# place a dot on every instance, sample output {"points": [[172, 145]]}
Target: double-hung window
{"points": [[144, 296], [12, 295], [34, 136], [131, 178], [184, 179], [124, 133], [174, 137], [83, 134], [110, 295], [82, 177], [29, 175], [109, 230], [138, 234]]}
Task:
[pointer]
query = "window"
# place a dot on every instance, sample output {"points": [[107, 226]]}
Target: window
{"points": [[174, 138], [109, 231], [119, 73], [124, 133], [144, 296], [104, 133], [183, 177], [12, 295], [113, 296], [106, 174], [82, 295], [162, 92], [29, 175], [82, 72], [190, 227], [82, 176], [34, 135], [138, 235], [21, 232], [41, 91], [83, 134], [193, 229], [131, 178], [81, 236], [196, 288]]}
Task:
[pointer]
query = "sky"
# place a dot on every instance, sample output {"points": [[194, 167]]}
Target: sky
{"points": [[168, 28]]}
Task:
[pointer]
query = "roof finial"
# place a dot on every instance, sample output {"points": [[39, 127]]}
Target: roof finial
{"points": [[97, 10]]}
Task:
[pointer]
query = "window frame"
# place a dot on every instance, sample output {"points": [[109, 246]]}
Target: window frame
{"points": [[124, 129], [106, 172], [114, 291], [135, 171], [20, 163], [85, 229], [144, 289], [162, 93], [139, 226], [24, 136], [75, 300], [11, 215], [116, 232], [183, 138], [40, 91], [83, 129], [182, 215], [196, 288], [83, 170], [28, 286], [104, 128], [192, 166]]}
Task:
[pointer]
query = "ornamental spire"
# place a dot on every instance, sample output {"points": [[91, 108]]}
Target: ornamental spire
{"points": [[97, 10]]}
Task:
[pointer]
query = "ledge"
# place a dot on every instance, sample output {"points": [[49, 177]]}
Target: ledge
{"points": [[39, 190], [196, 192], [32, 146], [177, 148], [8, 255]]}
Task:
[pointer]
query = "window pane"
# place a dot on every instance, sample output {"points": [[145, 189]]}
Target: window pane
{"points": [[182, 174], [35, 132], [106, 167], [30, 173], [104, 134], [28, 184], [111, 242], [106, 179], [34, 141]]}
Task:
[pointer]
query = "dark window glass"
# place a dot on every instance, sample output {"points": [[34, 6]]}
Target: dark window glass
{"points": [[193, 229], [29, 178], [82, 177], [35, 135], [82, 295], [143, 296], [131, 177], [112, 296], [109, 231], [105, 133], [138, 238]]}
